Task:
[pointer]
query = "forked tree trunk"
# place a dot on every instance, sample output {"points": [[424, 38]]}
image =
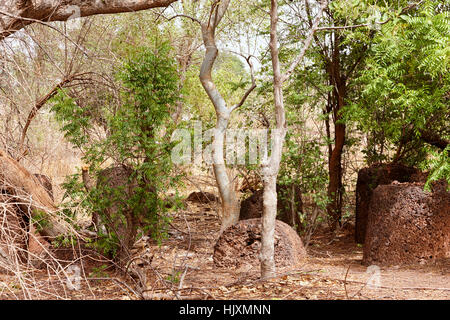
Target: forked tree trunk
{"points": [[230, 201]]}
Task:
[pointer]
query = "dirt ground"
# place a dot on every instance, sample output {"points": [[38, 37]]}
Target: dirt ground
{"points": [[182, 268]]}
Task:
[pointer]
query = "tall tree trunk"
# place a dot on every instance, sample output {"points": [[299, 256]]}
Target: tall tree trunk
{"points": [[230, 201], [338, 96], [271, 167], [335, 186]]}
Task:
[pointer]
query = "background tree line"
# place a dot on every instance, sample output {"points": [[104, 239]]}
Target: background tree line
{"points": [[348, 83]]}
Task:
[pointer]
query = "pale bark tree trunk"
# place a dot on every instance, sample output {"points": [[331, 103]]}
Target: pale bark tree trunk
{"points": [[271, 168], [230, 201]]}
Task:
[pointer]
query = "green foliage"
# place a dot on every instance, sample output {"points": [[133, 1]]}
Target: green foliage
{"points": [[40, 220], [75, 120], [440, 167], [303, 165], [404, 87], [175, 277], [99, 272], [64, 241], [137, 137]]}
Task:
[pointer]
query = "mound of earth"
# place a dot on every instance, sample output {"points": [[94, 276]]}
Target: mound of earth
{"points": [[239, 245], [202, 197], [407, 225], [370, 178]]}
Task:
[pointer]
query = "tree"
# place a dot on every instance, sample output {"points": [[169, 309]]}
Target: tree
{"points": [[271, 168], [338, 56], [339, 53], [15, 15], [403, 99], [230, 200], [127, 195]]}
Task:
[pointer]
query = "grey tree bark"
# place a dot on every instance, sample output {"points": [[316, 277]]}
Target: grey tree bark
{"points": [[271, 168], [230, 201]]}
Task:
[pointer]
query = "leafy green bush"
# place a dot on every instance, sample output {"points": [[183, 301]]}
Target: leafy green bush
{"points": [[404, 90], [304, 166], [137, 139]]}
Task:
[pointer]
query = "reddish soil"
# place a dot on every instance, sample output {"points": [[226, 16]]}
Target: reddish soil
{"points": [[332, 270]]}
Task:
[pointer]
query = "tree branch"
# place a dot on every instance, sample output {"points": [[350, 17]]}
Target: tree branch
{"points": [[42, 101], [433, 139], [16, 14], [306, 43], [184, 16], [249, 90], [404, 10]]}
